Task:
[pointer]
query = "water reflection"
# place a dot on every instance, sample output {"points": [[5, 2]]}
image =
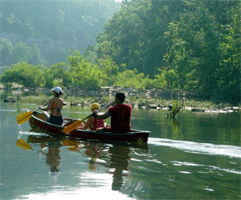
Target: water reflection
{"points": [[93, 151], [114, 157], [23, 144], [175, 124], [49, 148], [53, 159], [119, 162], [200, 160]]}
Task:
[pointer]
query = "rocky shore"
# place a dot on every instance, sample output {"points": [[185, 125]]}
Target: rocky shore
{"points": [[154, 99]]}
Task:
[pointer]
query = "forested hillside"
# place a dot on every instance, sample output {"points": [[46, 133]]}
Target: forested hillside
{"points": [[188, 45], [44, 32]]}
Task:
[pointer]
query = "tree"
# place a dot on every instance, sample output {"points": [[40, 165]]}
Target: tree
{"points": [[21, 52], [25, 74], [55, 26], [36, 57], [84, 74], [109, 67], [168, 79], [131, 78], [193, 48], [135, 34], [229, 72], [57, 74], [6, 52], [123, 38]]}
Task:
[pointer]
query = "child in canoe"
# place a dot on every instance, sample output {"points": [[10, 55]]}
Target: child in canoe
{"points": [[92, 122]]}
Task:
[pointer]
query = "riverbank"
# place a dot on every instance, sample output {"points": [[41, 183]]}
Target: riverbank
{"points": [[137, 102]]}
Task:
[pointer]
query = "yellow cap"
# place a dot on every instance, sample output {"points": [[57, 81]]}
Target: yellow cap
{"points": [[95, 106]]}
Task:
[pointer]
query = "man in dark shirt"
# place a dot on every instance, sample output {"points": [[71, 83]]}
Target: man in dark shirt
{"points": [[120, 115]]}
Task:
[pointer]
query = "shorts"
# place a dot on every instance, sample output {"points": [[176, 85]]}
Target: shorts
{"points": [[57, 120]]}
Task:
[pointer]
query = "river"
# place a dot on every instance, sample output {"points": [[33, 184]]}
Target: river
{"points": [[195, 156]]}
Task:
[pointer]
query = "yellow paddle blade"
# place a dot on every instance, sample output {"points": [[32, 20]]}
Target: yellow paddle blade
{"points": [[23, 144], [24, 117], [73, 149], [72, 126], [69, 143]]}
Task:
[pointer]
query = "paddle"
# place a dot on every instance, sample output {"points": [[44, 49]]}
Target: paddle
{"points": [[26, 116], [74, 125], [23, 144]]}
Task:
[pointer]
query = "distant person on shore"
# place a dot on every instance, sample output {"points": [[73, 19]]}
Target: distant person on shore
{"points": [[94, 123], [55, 107], [120, 115]]}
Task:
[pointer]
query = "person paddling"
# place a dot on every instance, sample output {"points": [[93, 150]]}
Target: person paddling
{"points": [[120, 115], [55, 107], [94, 123]]}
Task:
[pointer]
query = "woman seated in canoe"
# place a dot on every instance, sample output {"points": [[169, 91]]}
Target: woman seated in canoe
{"points": [[94, 123], [55, 107]]}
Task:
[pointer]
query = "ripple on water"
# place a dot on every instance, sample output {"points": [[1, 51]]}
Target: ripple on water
{"points": [[200, 148]]}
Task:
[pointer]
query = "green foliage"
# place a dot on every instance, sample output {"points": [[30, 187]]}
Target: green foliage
{"points": [[131, 78], [6, 52], [79, 73], [36, 56], [167, 79], [194, 50], [175, 106], [57, 74], [24, 74], [74, 59], [90, 54], [54, 26], [110, 68], [188, 45], [124, 35], [83, 74], [180, 43], [19, 53], [87, 76], [193, 47], [229, 73]]}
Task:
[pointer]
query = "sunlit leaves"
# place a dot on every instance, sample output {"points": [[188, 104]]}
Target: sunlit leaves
{"points": [[133, 79], [57, 74], [24, 74], [167, 79], [84, 74]]}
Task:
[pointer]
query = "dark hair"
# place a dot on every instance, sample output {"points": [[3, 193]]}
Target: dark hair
{"points": [[58, 94], [120, 96]]}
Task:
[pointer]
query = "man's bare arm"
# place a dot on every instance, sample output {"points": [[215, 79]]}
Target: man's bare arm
{"points": [[103, 116]]}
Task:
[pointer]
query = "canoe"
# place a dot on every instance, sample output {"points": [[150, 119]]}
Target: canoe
{"points": [[38, 123]]}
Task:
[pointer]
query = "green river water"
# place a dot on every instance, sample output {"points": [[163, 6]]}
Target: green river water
{"points": [[195, 156]]}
